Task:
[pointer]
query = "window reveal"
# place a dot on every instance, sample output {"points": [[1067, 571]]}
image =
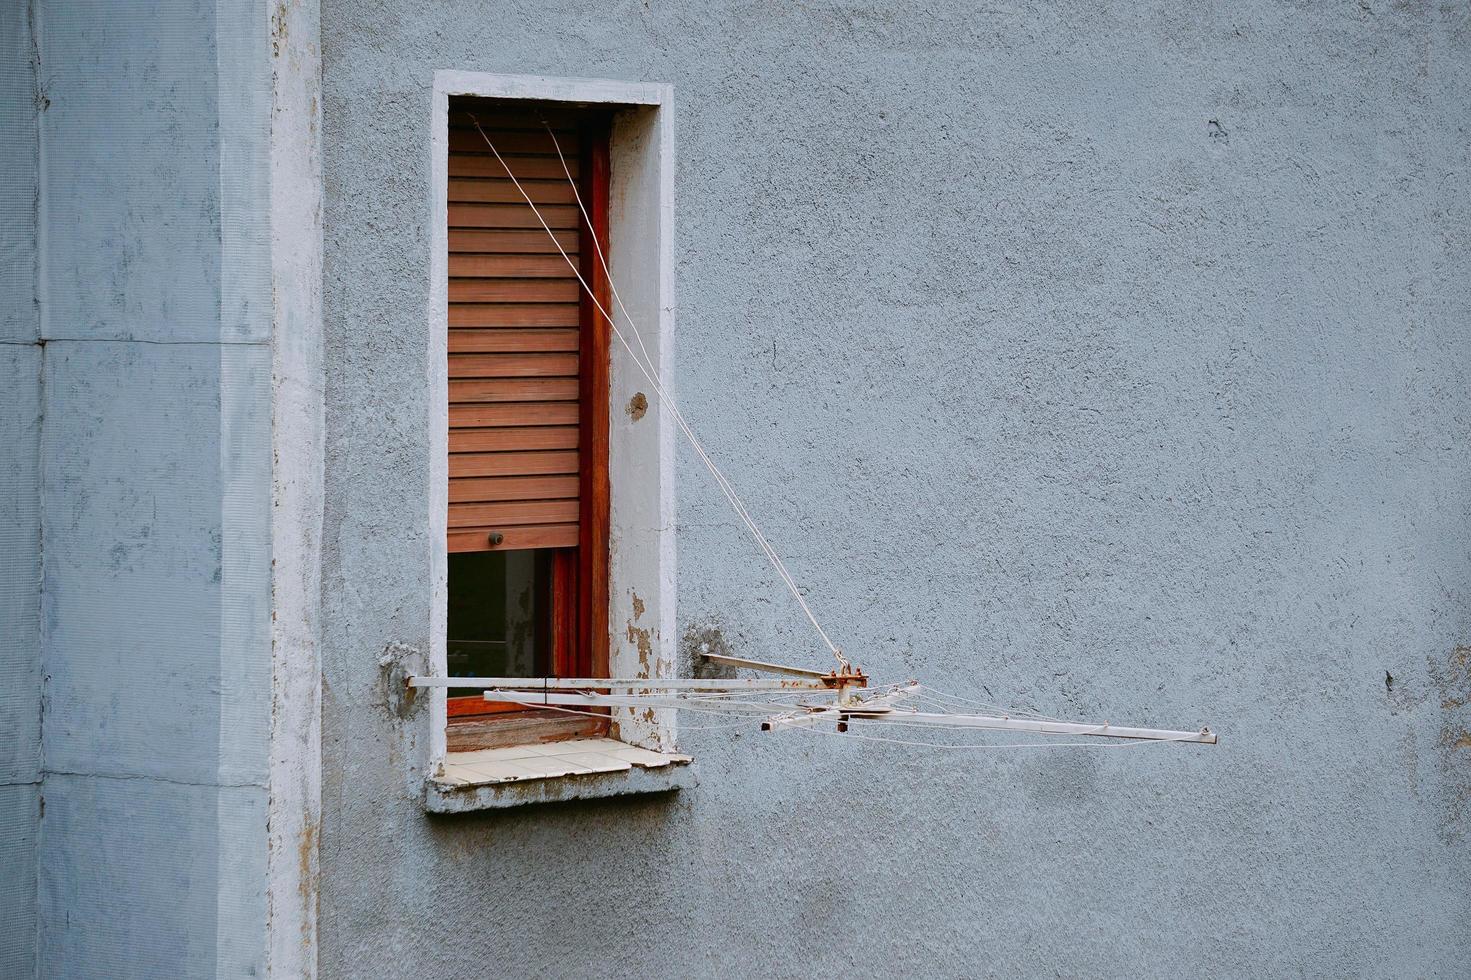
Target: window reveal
{"points": [[528, 412]]}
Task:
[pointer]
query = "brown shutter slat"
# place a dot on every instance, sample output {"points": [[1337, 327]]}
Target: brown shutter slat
{"points": [[475, 189], [511, 464], [511, 241], [513, 538], [524, 167], [468, 139], [511, 266], [485, 341], [515, 512], [540, 365], [513, 314], [473, 390], [501, 440], [468, 489], [514, 290], [513, 414], [517, 215]]}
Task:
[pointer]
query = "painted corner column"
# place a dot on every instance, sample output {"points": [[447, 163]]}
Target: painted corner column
{"points": [[643, 591], [296, 487]]}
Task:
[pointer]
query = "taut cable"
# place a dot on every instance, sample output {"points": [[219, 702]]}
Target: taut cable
{"points": [[650, 371]]}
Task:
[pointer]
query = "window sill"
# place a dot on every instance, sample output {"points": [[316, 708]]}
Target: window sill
{"points": [[577, 769]]}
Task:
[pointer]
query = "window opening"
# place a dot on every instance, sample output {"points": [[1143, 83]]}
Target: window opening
{"points": [[500, 623], [528, 369]]}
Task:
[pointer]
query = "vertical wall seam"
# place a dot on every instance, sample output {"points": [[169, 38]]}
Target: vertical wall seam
{"points": [[39, 102], [41, 637]]}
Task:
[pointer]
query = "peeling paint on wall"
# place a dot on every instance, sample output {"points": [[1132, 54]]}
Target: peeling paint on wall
{"points": [[398, 663]]}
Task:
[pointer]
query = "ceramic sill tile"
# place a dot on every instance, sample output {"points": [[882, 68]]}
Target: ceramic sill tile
{"points": [[531, 767], [508, 754], [496, 771], [454, 777], [594, 761], [643, 757]]}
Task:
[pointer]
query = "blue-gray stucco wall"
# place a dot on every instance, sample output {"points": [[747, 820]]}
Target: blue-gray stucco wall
{"points": [[20, 499], [134, 490], [1107, 360]]}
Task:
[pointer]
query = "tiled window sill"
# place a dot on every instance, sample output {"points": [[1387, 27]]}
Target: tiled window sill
{"points": [[577, 769]]}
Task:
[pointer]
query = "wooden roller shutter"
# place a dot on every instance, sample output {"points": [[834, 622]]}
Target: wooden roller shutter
{"points": [[527, 358]]}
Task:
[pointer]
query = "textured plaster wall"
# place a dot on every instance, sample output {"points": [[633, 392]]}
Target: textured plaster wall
{"points": [[135, 408], [20, 499], [1107, 361], [20, 654]]}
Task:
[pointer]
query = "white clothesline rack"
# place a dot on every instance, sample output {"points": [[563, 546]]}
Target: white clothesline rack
{"points": [[798, 698]]}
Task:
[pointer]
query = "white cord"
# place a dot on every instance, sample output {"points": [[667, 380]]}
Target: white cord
{"points": [[650, 372], [997, 745], [743, 723], [940, 698], [728, 706]]}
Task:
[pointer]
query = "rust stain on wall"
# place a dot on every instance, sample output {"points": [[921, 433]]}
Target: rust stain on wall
{"points": [[306, 851], [1452, 682], [638, 405]]}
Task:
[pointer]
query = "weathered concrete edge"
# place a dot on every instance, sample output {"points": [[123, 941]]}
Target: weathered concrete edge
{"points": [[643, 590], [297, 481], [559, 89], [441, 797]]}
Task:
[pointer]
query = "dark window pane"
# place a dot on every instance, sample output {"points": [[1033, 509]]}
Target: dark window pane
{"points": [[500, 621]]}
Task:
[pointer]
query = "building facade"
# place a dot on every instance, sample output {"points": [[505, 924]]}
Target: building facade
{"points": [[1102, 361]]}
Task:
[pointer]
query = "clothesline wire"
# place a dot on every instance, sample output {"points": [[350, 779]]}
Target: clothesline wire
{"points": [[603, 714], [993, 745], [728, 706], [742, 703], [650, 371], [950, 701], [731, 704]]}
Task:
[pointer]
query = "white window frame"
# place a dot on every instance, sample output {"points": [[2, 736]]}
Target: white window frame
{"points": [[641, 586]]}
